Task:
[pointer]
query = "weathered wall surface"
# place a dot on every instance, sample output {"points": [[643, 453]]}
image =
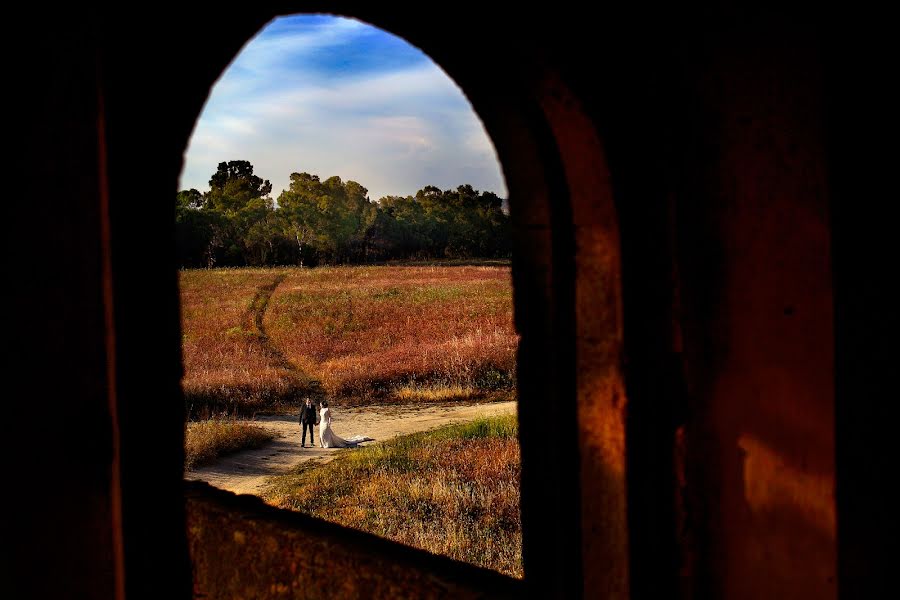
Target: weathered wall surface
{"points": [[596, 319], [241, 548], [758, 320]]}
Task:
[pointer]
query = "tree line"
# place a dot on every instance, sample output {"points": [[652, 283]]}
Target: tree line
{"points": [[236, 223]]}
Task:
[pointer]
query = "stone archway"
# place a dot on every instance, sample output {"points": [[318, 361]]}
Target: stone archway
{"points": [[566, 275]]}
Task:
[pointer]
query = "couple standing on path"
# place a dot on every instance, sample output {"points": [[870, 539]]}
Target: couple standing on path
{"points": [[309, 417]]}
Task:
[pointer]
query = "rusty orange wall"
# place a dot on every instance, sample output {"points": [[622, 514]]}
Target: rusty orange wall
{"points": [[600, 386], [756, 277]]}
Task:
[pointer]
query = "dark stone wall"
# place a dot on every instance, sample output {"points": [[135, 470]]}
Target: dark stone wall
{"points": [[240, 547], [700, 270]]}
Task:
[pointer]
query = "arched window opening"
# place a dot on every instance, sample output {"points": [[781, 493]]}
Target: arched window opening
{"points": [[344, 242]]}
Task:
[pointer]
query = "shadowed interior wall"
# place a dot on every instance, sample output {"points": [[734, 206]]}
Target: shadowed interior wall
{"points": [[597, 323], [758, 318], [61, 512], [862, 122]]}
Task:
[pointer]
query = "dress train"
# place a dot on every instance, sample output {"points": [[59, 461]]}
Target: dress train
{"points": [[329, 439]]}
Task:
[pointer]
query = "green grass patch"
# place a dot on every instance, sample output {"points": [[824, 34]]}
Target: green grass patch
{"points": [[452, 491]]}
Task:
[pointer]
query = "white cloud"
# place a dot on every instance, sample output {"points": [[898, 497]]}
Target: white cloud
{"points": [[393, 130]]}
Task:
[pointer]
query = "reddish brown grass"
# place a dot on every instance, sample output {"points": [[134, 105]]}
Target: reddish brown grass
{"points": [[366, 333], [227, 366], [363, 331], [204, 441], [453, 491]]}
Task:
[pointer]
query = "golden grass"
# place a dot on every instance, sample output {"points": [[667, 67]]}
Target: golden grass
{"points": [[204, 441], [360, 332], [453, 491], [434, 393], [364, 331], [227, 368]]}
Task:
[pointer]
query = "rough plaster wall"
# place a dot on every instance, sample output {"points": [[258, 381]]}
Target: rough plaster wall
{"points": [[598, 342], [241, 548], [758, 327]]}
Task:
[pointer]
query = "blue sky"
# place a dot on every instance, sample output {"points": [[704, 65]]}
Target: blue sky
{"points": [[333, 96]]}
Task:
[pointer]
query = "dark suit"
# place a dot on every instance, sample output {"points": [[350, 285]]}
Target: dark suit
{"points": [[308, 420]]}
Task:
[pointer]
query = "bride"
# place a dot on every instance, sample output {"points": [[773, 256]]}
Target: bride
{"points": [[329, 438]]}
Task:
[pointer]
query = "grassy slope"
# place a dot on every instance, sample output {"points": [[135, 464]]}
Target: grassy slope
{"points": [[453, 491], [204, 441]]}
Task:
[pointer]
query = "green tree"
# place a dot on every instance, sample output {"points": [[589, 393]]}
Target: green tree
{"points": [[330, 216], [263, 239], [237, 223], [191, 231], [298, 207], [233, 185], [199, 232], [236, 201]]}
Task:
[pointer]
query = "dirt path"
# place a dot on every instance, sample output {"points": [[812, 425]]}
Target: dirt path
{"points": [[254, 320], [246, 472]]}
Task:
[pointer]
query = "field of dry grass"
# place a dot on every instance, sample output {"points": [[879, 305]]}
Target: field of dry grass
{"points": [[257, 338], [261, 339], [204, 441], [369, 330], [453, 491], [227, 368]]}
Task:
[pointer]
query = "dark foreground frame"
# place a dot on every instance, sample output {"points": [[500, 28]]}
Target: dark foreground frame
{"points": [[699, 286]]}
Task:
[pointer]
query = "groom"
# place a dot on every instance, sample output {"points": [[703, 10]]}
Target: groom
{"points": [[308, 415]]}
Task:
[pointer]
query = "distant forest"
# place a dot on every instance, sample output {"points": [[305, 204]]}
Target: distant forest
{"points": [[236, 223]]}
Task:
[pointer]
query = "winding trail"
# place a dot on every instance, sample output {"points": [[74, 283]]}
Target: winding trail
{"points": [[247, 472], [303, 383]]}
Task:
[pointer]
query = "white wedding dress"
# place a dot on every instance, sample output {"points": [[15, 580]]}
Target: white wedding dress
{"points": [[330, 439]]}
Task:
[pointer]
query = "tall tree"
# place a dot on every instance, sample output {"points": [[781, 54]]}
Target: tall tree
{"points": [[237, 223], [237, 200], [330, 216], [233, 185], [299, 209], [220, 221]]}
